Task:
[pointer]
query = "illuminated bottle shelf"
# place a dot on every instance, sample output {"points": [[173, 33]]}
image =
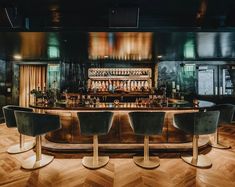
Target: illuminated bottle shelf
{"points": [[119, 79]]}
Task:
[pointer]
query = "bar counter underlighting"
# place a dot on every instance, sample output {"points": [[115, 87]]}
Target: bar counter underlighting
{"points": [[121, 136]]}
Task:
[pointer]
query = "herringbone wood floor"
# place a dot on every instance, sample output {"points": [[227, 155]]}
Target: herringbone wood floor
{"points": [[119, 171]]}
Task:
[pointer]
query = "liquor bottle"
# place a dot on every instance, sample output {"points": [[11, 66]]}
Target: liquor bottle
{"points": [[135, 85], [91, 85], [128, 86], [125, 86], [121, 85], [102, 86], [131, 86], [138, 86], [118, 84], [106, 85]]}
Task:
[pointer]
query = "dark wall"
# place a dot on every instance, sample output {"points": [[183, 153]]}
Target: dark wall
{"points": [[9, 75], [73, 75], [169, 71], [2, 86]]}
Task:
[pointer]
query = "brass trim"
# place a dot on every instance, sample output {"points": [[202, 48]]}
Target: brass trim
{"points": [[38, 160], [21, 147], [95, 161], [151, 163], [88, 162], [31, 163], [216, 144], [146, 161], [201, 161]]}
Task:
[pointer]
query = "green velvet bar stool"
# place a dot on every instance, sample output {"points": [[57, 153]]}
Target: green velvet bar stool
{"points": [[94, 124], [8, 112], [147, 124], [226, 117], [35, 124], [198, 123]]}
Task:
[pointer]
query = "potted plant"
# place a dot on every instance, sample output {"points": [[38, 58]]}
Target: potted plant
{"points": [[38, 94]]}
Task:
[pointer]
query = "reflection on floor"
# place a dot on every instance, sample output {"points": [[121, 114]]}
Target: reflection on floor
{"points": [[67, 170]]}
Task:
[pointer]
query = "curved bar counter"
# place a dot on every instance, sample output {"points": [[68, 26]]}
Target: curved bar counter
{"points": [[121, 135]]}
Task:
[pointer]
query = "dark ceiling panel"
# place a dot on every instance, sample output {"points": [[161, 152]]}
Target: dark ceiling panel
{"points": [[93, 15]]}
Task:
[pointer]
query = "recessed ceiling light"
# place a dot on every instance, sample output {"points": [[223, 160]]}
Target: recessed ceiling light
{"points": [[159, 56], [17, 57]]}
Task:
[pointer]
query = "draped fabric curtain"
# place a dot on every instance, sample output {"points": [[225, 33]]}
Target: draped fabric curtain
{"points": [[31, 77]]}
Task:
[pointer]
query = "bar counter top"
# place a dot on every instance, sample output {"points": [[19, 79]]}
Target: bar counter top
{"points": [[121, 133], [172, 105]]}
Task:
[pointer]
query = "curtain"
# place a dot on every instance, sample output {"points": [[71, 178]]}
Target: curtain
{"points": [[31, 77]]}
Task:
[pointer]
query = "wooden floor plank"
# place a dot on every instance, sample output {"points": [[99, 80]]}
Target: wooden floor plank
{"points": [[119, 172]]}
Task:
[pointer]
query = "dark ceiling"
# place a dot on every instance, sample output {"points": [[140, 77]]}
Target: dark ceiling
{"points": [[93, 15], [182, 29]]}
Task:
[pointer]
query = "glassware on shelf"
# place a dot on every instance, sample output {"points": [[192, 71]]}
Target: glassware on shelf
{"points": [[116, 102]]}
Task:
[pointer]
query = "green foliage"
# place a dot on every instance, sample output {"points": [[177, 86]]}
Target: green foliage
{"points": [[49, 95], [37, 93]]}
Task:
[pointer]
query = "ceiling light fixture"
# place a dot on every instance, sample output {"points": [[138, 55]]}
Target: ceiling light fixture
{"points": [[17, 57]]}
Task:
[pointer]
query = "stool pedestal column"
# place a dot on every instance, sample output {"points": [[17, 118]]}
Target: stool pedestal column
{"points": [[216, 143], [197, 160], [95, 161], [146, 161], [21, 147], [39, 160]]}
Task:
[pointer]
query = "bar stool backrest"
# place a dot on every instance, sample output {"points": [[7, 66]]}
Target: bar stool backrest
{"points": [[226, 112], [34, 124], [8, 112], [147, 123], [197, 123], [95, 123]]}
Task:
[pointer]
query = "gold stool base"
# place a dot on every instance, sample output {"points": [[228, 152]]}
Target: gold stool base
{"points": [[220, 146], [87, 161], [17, 149], [202, 161], [153, 162], [31, 163]]}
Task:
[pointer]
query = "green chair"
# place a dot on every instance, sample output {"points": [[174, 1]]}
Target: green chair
{"points": [[198, 123], [147, 124], [8, 112], [94, 124], [34, 124], [226, 117]]}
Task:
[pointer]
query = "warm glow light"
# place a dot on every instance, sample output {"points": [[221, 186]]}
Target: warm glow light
{"points": [[120, 45], [32, 44], [159, 56], [17, 57]]}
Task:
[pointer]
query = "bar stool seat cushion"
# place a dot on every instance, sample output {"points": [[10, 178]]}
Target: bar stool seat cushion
{"points": [[95, 123], [198, 123], [10, 120], [34, 124], [147, 123], [9, 115], [226, 112]]}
